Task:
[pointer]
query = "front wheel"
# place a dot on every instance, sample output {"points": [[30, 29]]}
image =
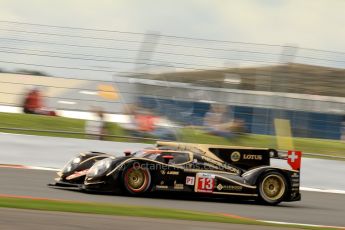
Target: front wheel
{"points": [[136, 180], [272, 188]]}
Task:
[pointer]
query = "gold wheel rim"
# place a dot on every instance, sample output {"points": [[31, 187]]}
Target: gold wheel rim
{"points": [[273, 187], [136, 179]]}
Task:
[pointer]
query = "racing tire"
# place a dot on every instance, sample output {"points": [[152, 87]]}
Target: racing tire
{"points": [[272, 188], [136, 179]]}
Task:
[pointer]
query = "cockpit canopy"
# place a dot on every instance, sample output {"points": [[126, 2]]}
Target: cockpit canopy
{"points": [[176, 157]]}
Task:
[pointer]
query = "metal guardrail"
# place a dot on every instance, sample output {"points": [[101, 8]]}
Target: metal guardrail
{"points": [[141, 138]]}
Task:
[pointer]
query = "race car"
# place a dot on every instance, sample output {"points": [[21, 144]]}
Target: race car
{"points": [[190, 168]]}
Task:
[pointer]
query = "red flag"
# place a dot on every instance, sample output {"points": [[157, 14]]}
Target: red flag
{"points": [[294, 159]]}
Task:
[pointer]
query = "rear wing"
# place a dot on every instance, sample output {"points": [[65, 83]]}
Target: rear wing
{"points": [[240, 156]]}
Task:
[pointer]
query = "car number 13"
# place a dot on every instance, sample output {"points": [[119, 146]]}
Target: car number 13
{"points": [[205, 184]]}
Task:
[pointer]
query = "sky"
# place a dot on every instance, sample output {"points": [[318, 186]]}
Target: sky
{"points": [[317, 24]]}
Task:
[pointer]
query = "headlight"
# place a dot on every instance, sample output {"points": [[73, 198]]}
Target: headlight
{"points": [[99, 168], [71, 165]]}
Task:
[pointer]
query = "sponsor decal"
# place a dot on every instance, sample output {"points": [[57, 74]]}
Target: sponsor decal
{"points": [[205, 175], [233, 170], [211, 160], [229, 187], [163, 172], [295, 175], [219, 187], [190, 180], [178, 186], [252, 157], [235, 156], [161, 187]]}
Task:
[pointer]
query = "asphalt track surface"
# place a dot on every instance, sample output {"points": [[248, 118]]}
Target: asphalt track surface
{"points": [[315, 208], [56, 151], [15, 219]]}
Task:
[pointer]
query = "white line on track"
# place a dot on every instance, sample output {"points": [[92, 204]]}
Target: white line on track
{"points": [[322, 190], [299, 224], [44, 168]]}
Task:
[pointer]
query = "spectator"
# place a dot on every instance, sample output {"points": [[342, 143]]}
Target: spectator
{"points": [[131, 126], [96, 128], [33, 104], [217, 122], [145, 124]]}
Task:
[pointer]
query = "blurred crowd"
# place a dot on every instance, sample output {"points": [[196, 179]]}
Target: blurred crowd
{"points": [[143, 122]]}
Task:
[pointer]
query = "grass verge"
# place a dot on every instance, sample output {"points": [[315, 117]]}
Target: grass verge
{"points": [[320, 146], [124, 210]]}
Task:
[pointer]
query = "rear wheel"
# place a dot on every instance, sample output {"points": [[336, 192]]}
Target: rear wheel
{"points": [[272, 188], [136, 180]]}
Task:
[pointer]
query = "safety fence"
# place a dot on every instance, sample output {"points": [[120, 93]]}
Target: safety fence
{"points": [[175, 77]]}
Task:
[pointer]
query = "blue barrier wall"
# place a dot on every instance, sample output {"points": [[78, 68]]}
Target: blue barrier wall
{"points": [[257, 120]]}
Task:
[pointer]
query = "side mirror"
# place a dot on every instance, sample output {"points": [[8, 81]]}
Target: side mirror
{"points": [[127, 153], [167, 158]]}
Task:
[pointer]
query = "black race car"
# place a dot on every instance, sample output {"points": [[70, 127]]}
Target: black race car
{"points": [[189, 168]]}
